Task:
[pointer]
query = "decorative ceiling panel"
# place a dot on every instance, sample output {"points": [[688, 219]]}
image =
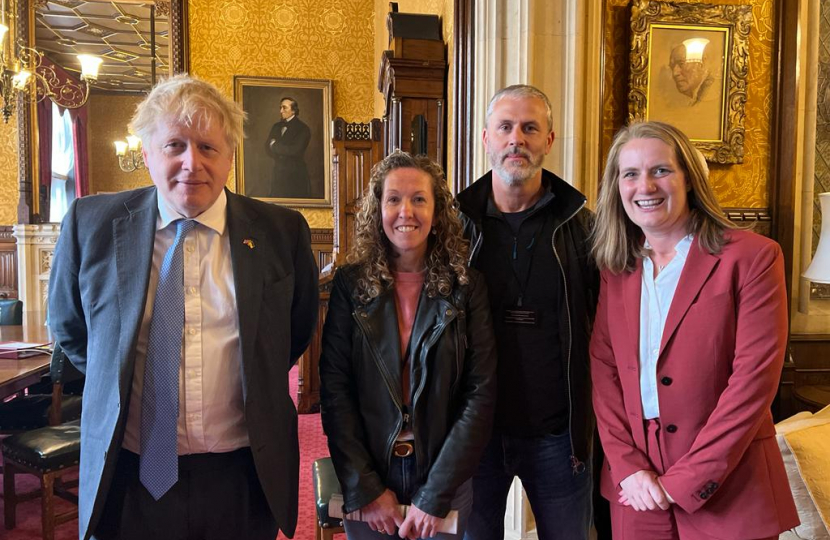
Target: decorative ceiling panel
{"points": [[120, 33]]}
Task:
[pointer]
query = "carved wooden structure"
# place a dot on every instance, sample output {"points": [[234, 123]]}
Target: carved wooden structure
{"points": [[8, 263], [413, 83], [356, 148], [308, 379]]}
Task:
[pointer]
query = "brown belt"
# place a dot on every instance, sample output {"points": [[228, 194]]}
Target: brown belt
{"points": [[403, 449]]}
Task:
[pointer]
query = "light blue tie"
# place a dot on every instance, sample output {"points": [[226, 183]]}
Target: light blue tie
{"points": [[159, 465]]}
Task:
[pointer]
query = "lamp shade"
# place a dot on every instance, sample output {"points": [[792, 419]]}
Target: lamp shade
{"points": [[89, 66], [133, 142], [695, 48], [3, 30], [819, 269]]}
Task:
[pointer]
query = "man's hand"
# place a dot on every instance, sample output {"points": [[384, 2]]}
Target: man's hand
{"points": [[419, 524], [642, 491], [382, 514]]}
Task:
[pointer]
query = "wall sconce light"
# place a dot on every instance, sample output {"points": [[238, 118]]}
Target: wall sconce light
{"points": [[819, 269], [695, 48], [129, 154]]}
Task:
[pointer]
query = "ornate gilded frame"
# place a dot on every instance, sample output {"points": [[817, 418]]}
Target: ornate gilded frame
{"points": [[648, 16]]}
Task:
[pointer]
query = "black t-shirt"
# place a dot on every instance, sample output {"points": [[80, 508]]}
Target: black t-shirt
{"points": [[522, 276]]}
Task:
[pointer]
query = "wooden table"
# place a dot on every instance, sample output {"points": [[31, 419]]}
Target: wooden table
{"points": [[15, 375]]}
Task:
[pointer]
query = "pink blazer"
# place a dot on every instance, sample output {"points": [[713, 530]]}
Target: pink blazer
{"points": [[720, 361]]}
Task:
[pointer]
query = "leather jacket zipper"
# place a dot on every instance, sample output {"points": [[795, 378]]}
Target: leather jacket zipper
{"points": [[404, 417], [419, 459], [576, 465]]}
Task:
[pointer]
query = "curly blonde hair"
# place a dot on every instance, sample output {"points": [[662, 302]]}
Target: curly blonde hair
{"points": [[446, 258]]}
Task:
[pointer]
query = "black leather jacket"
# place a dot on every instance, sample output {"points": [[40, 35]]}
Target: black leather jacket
{"points": [[453, 389], [571, 248]]}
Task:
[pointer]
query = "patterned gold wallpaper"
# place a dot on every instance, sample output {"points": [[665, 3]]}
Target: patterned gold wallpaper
{"points": [[289, 38], [8, 173], [264, 38], [745, 185], [108, 118]]}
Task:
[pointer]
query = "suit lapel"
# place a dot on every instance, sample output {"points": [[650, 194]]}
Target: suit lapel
{"points": [[248, 242], [133, 238], [696, 271]]}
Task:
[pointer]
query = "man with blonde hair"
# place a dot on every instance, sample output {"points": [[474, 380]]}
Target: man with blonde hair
{"points": [[185, 305]]}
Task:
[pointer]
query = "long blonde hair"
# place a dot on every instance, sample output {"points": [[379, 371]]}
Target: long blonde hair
{"points": [[447, 250], [617, 241]]}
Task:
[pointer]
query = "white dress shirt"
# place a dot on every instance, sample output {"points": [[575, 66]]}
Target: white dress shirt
{"points": [[211, 409], [655, 300]]}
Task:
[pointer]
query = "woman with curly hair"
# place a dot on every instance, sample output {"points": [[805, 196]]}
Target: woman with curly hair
{"points": [[408, 360]]}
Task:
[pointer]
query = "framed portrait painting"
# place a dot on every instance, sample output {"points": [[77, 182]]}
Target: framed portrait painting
{"points": [[689, 67], [285, 156]]}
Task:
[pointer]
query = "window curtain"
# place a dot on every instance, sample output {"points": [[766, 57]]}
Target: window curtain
{"points": [[44, 130], [79, 118], [79, 143]]}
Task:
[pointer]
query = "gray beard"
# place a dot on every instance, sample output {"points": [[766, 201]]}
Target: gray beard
{"points": [[514, 177]]}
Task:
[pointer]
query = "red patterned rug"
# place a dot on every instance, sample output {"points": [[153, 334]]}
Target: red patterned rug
{"points": [[312, 446]]}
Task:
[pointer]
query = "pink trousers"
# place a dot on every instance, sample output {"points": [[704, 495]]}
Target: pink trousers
{"points": [[629, 524]]}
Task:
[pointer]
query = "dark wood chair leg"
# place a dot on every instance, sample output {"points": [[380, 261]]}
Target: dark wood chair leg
{"points": [[47, 503], [9, 496]]}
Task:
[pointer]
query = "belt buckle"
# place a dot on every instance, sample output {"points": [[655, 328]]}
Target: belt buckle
{"points": [[403, 449]]}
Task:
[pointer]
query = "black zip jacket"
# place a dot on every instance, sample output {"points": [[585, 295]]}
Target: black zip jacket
{"points": [[453, 359], [572, 251]]}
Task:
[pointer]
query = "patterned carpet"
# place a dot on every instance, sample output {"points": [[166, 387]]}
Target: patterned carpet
{"points": [[312, 446]]}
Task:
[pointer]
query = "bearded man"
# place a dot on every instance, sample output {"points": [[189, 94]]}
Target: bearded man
{"points": [[528, 232]]}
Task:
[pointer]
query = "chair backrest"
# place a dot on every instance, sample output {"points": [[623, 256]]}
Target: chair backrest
{"points": [[61, 371], [11, 311]]}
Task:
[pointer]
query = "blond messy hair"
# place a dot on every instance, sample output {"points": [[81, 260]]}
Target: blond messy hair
{"points": [[447, 250], [617, 241], [184, 99]]}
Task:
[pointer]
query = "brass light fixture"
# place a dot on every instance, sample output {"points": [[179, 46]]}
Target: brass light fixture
{"points": [[129, 154], [22, 72]]}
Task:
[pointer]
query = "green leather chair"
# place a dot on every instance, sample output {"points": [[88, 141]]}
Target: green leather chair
{"points": [[325, 484], [46, 453], [11, 312]]}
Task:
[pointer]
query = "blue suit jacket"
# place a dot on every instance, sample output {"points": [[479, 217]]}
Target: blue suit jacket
{"points": [[97, 294]]}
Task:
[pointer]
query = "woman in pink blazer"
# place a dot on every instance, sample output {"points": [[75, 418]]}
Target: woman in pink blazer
{"points": [[686, 353]]}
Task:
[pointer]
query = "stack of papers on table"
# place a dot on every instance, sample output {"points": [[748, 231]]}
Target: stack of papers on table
{"points": [[12, 350]]}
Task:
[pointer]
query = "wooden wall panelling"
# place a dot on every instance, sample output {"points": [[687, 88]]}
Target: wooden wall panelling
{"points": [[463, 73], [808, 364], [308, 379], [8, 263], [322, 245], [810, 370], [356, 148], [785, 120]]}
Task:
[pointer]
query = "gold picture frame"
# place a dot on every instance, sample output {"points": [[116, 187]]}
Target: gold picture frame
{"points": [[689, 65], [287, 163]]}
